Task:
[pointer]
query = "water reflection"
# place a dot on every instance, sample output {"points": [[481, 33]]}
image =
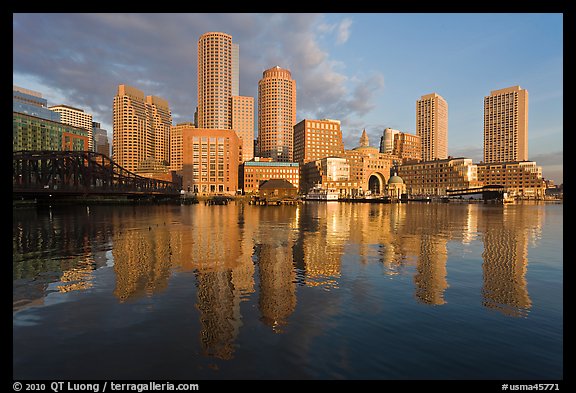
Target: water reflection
{"points": [[53, 248], [505, 263], [239, 253]]}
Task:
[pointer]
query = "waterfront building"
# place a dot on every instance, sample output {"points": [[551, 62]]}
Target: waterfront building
{"points": [[100, 142], [368, 167], [36, 133], [77, 118], [277, 188], [243, 124], [329, 173], [317, 139], [506, 125], [433, 178], [31, 103], [432, 126], [176, 147], [141, 128], [257, 170], [210, 161], [521, 179], [276, 114], [215, 81], [395, 187]]}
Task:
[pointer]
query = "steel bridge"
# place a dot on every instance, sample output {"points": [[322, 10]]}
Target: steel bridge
{"points": [[38, 173]]}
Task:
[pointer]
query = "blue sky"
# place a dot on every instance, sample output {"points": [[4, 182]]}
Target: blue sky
{"points": [[366, 70]]}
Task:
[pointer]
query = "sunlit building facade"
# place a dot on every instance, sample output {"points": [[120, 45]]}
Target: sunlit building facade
{"points": [[521, 179], [433, 178], [506, 125], [329, 173], [368, 167], [141, 128], [176, 147], [215, 72], [210, 161], [258, 170], [276, 114], [432, 126], [77, 118], [243, 124], [36, 133], [317, 139]]}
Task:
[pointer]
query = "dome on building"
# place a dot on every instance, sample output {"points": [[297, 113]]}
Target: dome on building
{"points": [[395, 180]]}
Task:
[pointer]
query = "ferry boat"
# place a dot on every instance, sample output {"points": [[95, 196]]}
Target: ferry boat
{"points": [[317, 193]]}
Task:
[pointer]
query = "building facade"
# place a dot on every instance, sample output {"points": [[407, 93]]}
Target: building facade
{"points": [[407, 147], [368, 167], [433, 178], [36, 133], [521, 179], [176, 146], [215, 72], [329, 173], [276, 114], [506, 125], [100, 141], [432, 126], [77, 118], [30, 102], [254, 172], [210, 161], [243, 124], [387, 140], [161, 119], [317, 139], [141, 128]]}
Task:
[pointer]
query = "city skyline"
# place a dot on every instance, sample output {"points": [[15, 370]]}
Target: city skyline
{"points": [[366, 70]]}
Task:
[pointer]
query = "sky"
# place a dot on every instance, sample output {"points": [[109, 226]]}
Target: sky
{"points": [[365, 69]]}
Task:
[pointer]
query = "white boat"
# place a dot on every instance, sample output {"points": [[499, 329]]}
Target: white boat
{"points": [[317, 193]]}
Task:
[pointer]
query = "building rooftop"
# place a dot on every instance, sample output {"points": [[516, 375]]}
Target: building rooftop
{"points": [[275, 184], [270, 163]]}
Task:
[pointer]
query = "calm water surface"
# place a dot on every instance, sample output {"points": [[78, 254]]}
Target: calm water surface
{"points": [[316, 291]]}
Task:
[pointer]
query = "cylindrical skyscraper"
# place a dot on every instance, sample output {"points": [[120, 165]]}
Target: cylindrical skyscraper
{"points": [[276, 114], [215, 80]]}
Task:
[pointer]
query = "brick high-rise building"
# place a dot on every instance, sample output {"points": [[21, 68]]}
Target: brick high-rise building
{"points": [[432, 126], [276, 114], [210, 160], [317, 139], [506, 125]]}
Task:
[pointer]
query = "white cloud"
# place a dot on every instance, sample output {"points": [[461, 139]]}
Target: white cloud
{"points": [[343, 31]]}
